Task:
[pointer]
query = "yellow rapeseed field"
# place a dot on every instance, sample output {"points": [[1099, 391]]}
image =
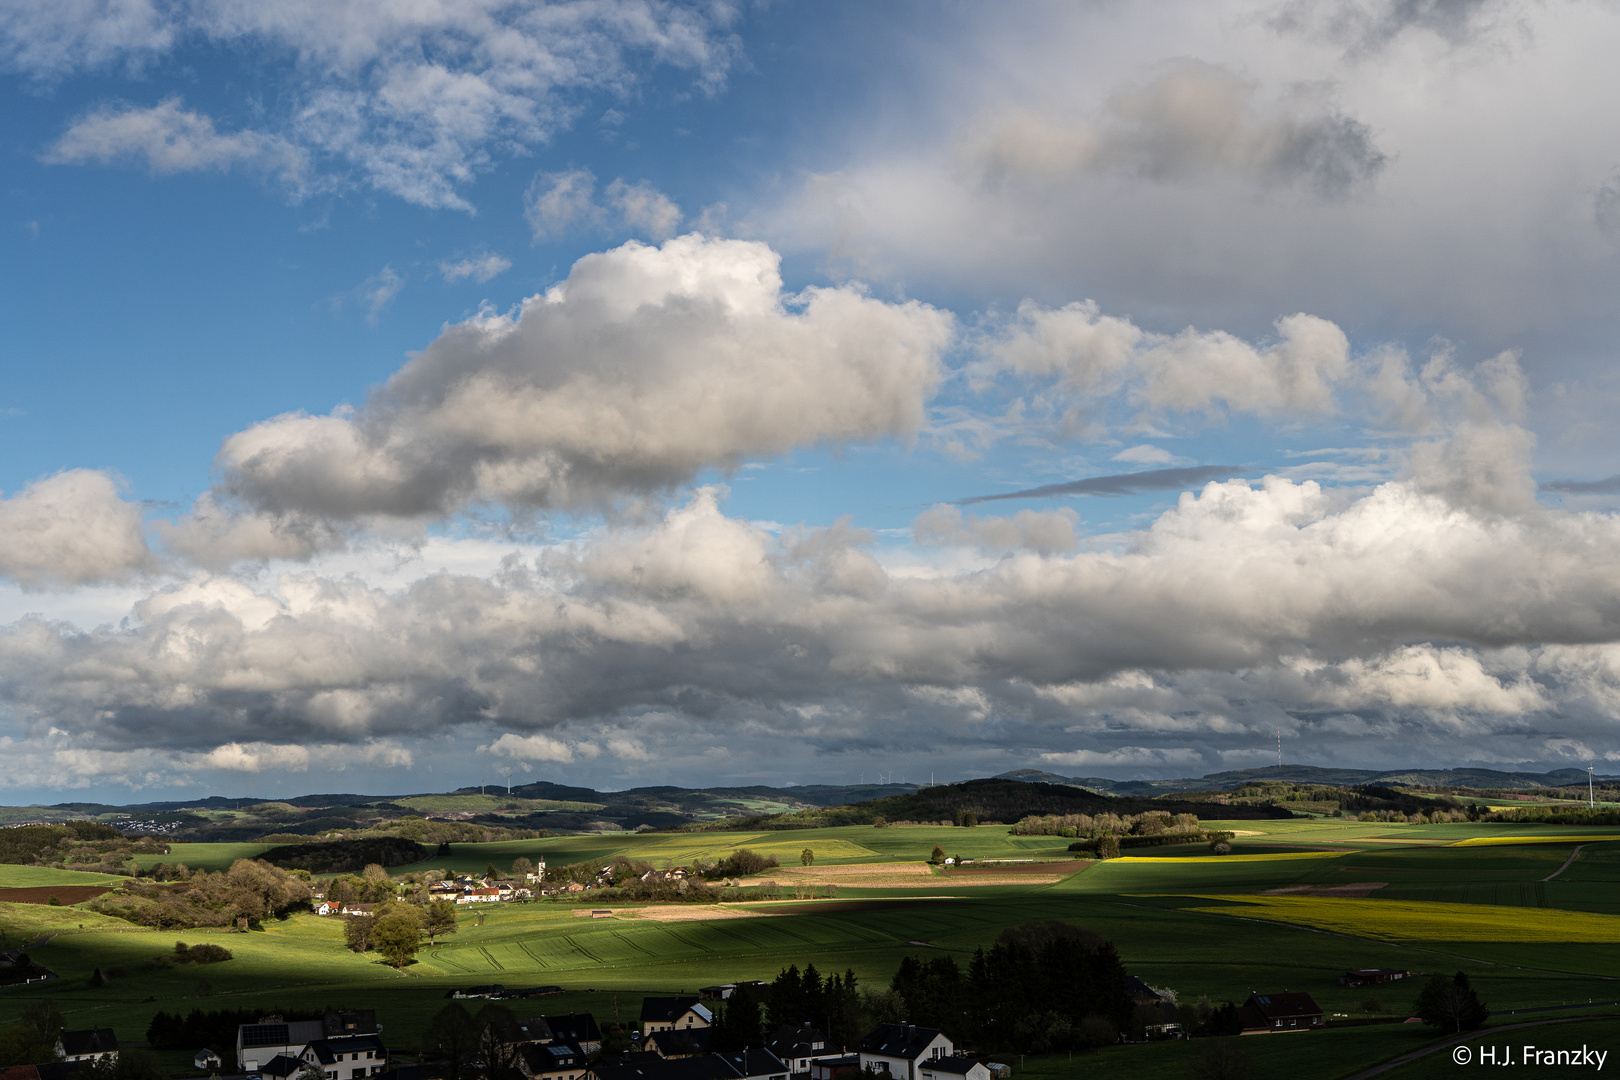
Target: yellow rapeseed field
{"points": [[1498, 841], [1422, 920]]}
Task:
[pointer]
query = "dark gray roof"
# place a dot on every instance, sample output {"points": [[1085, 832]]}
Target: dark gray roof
{"points": [[89, 1041], [755, 1063], [327, 1050], [790, 1041], [1283, 1006], [958, 1066], [282, 1065], [662, 1010], [553, 1056], [350, 1022], [907, 1041], [573, 1027], [682, 1042]]}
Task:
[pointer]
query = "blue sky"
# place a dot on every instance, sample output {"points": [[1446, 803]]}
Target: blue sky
{"points": [[594, 389]]}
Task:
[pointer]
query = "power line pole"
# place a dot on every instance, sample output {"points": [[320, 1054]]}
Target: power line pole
{"points": [[1591, 799], [1279, 748]]}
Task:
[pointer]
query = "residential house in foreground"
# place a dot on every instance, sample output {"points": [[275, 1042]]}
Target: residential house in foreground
{"points": [[258, 1044], [347, 1057], [91, 1044], [900, 1049], [1275, 1014], [673, 1014], [799, 1046], [953, 1068], [553, 1061]]}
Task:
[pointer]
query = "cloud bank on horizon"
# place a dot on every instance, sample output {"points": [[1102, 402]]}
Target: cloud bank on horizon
{"points": [[713, 491]]}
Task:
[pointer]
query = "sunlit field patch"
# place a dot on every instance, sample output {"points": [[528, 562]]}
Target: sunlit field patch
{"points": [[1498, 841], [1267, 856], [1416, 920]]}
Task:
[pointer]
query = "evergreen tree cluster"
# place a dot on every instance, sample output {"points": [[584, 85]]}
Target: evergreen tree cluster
{"points": [[1046, 985], [215, 1029]]}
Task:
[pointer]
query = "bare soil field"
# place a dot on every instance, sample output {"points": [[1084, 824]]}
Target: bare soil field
{"points": [[1361, 889], [41, 894]]}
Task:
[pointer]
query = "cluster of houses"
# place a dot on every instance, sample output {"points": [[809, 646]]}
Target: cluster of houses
{"points": [[676, 1044], [464, 889]]}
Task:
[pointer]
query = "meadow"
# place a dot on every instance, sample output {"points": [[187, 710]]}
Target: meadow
{"points": [[1182, 918]]}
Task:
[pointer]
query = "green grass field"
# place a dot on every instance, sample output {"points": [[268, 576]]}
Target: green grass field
{"points": [[1180, 917]]}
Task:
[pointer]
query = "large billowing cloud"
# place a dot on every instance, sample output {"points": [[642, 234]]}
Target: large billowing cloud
{"points": [[72, 528], [644, 367], [415, 98], [1242, 608]]}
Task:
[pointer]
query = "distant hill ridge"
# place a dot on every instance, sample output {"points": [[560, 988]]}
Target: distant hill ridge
{"points": [[1313, 774]]}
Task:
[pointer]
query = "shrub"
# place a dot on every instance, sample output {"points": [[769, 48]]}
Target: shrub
{"points": [[1221, 847], [206, 953], [1372, 1005], [744, 862]]}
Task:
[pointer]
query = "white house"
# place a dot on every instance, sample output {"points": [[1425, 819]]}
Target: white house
{"points": [[902, 1049], [347, 1057], [953, 1068], [207, 1061], [259, 1044], [673, 1014]]}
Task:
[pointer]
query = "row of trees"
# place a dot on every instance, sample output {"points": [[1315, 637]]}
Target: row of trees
{"points": [[1072, 826]]}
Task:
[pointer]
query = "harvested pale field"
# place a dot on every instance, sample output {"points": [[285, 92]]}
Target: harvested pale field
{"points": [[1349, 888], [913, 875], [679, 912]]}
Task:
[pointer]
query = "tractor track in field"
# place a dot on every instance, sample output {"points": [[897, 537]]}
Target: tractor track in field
{"points": [[1567, 863]]}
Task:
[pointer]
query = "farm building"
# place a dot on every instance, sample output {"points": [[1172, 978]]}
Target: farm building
{"points": [[670, 1014], [1372, 976], [207, 1061], [1270, 1014], [723, 991]]}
